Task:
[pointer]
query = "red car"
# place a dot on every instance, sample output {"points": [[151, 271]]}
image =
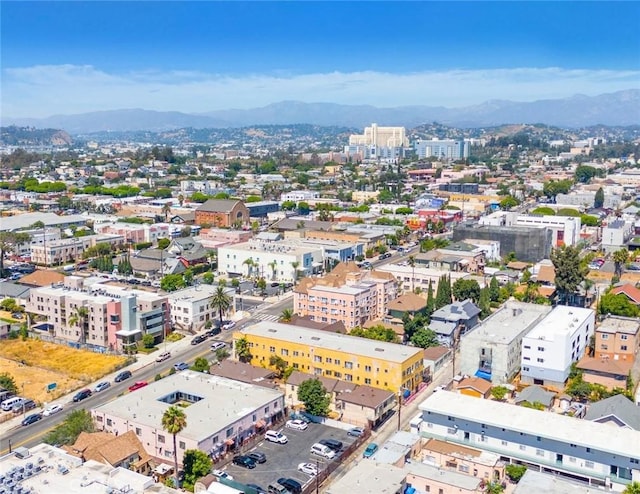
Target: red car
{"points": [[138, 385]]}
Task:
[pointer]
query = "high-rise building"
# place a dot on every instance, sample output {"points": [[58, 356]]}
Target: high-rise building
{"points": [[381, 137], [442, 149]]}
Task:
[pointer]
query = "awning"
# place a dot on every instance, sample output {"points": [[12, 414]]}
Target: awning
{"points": [[229, 442], [260, 424]]}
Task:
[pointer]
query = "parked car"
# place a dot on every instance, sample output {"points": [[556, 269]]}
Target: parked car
{"points": [[276, 488], [229, 325], [291, 485], [24, 405], [217, 345], [244, 461], [32, 419], [138, 385], [81, 395], [322, 450], [334, 444], [213, 332], [163, 356], [276, 437], [257, 456], [221, 474], [51, 409], [198, 339], [355, 432], [102, 386], [308, 468], [181, 366], [297, 424], [257, 488], [371, 449], [122, 376]]}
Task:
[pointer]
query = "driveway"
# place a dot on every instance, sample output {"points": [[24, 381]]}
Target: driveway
{"points": [[283, 459]]}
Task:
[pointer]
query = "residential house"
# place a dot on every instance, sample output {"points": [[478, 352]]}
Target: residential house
{"points": [[615, 235], [493, 349], [368, 477], [617, 410], [454, 320], [347, 294], [348, 358], [399, 450], [459, 256], [409, 303], [225, 213], [535, 395], [435, 358], [189, 251], [605, 371], [474, 386], [246, 373], [153, 263], [629, 291]]}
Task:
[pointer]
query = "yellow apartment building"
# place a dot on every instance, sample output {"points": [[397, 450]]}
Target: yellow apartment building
{"points": [[379, 364]]}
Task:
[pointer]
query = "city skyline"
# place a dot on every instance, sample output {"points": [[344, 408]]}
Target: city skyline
{"points": [[75, 57]]}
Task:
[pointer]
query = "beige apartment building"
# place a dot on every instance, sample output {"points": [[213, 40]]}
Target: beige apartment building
{"points": [[347, 294], [381, 137], [70, 249]]}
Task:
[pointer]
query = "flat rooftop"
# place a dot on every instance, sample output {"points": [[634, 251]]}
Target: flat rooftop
{"points": [[616, 441], [332, 341], [444, 476], [507, 323], [562, 320], [195, 292], [624, 325], [223, 401], [533, 482], [368, 477]]}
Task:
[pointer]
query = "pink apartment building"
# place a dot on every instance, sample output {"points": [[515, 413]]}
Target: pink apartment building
{"points": [[135, 233], [347, 294]]}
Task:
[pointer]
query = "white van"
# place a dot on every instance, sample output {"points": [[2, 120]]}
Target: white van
{"points": [[7, 405], [324, 451]]}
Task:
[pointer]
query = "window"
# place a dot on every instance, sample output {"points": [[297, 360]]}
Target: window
{"points": [[464, 468], [623, 348], [161, 438], [272, 349], [605, 336], [541, 349], [540, 360], [329, 360], [367, 368], [138, 431], [296, 353], [317, 358], [284, 352], [182, 445], [367, 380], [337, 362], [624, 337], [109, 422], [452, 430], [539, 452], [348, 365], [588, 464], [348, 377], [523, 447], [504, 443], [229, 432]]}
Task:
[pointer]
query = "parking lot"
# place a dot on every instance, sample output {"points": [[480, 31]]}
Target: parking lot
{"points": [[283, 459]]}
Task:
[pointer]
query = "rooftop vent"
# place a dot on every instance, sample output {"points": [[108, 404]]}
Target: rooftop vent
{"points": [[379, 349]]}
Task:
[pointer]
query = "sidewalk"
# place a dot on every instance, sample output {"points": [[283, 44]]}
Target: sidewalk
{"points": [[142, 361]]}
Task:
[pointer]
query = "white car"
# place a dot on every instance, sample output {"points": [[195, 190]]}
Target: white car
{"points": [[163, 356], [297, 424], [276, 437], [222, 475], [51, 409], [308, 468], [228, 325]]}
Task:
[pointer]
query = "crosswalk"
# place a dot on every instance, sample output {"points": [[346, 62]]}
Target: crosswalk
{"points": [[266, 317]]}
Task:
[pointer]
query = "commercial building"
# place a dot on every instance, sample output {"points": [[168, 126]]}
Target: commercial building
{"points": [[300, 195], [442, 149], [262, 209], [348, 358], [71, 249], [114, 317], [222, 213], [616, 234], [347, 294], [191, 308], [559, 444], [380, 136], [417, 277], [220, 413], [135, 233], [493, 349], [565, 229], [556, 342]]}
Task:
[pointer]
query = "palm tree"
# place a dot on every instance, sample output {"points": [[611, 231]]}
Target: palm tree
{"points": [[412, 263], [243, 351], [250, 264], [181, 199], [166, 209], [632, 488], [620, 258], [295, 265], [273, 265], [286, 315], [79, 318], [221, 301], [174, 421]]}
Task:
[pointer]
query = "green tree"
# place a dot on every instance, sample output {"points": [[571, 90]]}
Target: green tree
{"points": [[124, 266], [68, 431], [378, 332], [431, 303], [494, 289], [515, 472], [509, 203], [262, 286], [163, 243], [221, 354], [443, 292], [314, 397], [8, 382], [544, 211], [584, 173], [494, 487], [620, 258], [174, 421], [288, 206], [632, 488], [187, 276], [279, 364], [598, 201], [243, 350], [9, 242], [569, 273], [554, 187], [172, 282], [286, 316], [463, 289], [79, 318], [148, 340], [618, 305], [201, 364], [499, 392], [484, 302], [221, 302], [425, 338], [207, 278], [166, 209], [196, 465]]}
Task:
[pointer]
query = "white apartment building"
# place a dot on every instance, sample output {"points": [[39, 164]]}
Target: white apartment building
{"points": [[493, 349], [38, 238], [565, 229], [381, 137], [418, 277], [616, 234], [599, 454], [275, 261], [559, 340], [491, 248], [191, 308], [300, 195], [70, 249]]}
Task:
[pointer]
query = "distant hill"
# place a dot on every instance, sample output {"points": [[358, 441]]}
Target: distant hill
{"points": [[615, 109], [30, 136]]}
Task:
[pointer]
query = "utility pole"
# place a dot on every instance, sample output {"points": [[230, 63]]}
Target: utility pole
{"points": [[317, 475], [399, 408]]}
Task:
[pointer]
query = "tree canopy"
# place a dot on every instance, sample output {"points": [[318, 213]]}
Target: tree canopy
{"points": [[68, 431], [425, 338], [378, 332], [569, 273], [314, 397], [196, 465], [463, 289]]}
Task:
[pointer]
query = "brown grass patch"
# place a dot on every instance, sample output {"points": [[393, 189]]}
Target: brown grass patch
{"points": [[80, 365], [35, 381]]}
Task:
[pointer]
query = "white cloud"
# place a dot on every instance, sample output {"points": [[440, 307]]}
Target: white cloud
{"points": [[45, 90]]}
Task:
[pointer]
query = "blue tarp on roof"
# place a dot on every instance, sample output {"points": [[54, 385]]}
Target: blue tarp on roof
{"points": [[483, 375]]}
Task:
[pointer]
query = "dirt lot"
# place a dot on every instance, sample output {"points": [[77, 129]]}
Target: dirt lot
{"points": [[37, 363]]}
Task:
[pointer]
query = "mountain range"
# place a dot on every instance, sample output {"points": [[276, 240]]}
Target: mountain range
{"points": [[621, 108]]}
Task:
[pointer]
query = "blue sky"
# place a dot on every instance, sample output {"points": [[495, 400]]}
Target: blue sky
{"points": [[72, 57]]}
